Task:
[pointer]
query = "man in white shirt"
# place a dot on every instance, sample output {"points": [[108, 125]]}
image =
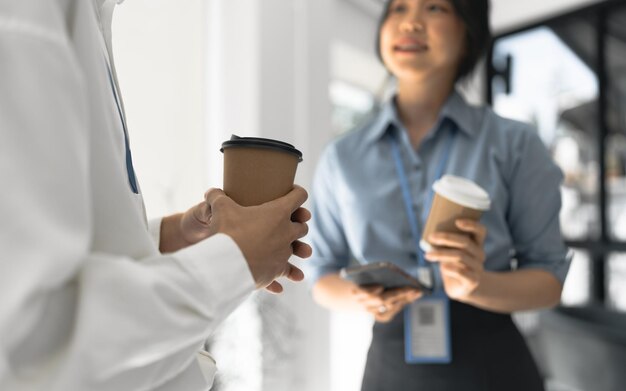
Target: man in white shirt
{"points": [[91, 299]]}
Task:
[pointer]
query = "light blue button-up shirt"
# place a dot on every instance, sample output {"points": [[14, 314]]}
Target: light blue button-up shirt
{"points": [[359, 212]]}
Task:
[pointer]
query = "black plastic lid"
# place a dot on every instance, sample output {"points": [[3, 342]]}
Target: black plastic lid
{"points": [[257, 142]]}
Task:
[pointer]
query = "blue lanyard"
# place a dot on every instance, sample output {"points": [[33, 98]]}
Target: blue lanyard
{"points": [[129, 159], [406, 191]]}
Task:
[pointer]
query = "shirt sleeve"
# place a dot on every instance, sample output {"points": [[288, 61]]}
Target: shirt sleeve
{"points": [[535, 203], [154, 227], [326, 234], [70, 318]]}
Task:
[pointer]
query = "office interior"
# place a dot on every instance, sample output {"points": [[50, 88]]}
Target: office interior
{"points": [[303, 71]]}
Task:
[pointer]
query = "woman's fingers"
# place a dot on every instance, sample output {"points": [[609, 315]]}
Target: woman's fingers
{"points": [[477, 230], [369, 296], [454, 256], [393, 302], [456, 241], [400, 295]]}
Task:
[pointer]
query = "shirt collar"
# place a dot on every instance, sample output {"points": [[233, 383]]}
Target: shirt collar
{"points": [[455, 109]]}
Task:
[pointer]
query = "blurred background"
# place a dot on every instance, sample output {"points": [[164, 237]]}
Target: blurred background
{"points": [[194, 72]]}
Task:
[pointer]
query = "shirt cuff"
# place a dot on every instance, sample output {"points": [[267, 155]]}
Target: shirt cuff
{"points": [[154, 227], [221, 269], [558, 267]]}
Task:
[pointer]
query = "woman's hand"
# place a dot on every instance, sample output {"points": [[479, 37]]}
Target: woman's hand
{"points": [[461, 258], [384, 304]]}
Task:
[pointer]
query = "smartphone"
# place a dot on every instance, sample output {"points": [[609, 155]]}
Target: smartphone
{"points": [[386, 274]]}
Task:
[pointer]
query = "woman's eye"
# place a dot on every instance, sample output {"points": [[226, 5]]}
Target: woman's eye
{"points": [[436, 8], [398, 8]]}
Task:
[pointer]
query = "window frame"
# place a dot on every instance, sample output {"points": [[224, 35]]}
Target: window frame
{"points": [[601, 248]]}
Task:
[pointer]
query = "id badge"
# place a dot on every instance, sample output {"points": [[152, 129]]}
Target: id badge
{"points": [[427, 330]]}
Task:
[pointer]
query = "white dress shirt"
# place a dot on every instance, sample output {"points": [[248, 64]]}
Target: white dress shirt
{"points": [[87, 302]]}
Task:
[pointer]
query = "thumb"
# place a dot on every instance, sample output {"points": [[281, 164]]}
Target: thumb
{"points": [[212, 194]]}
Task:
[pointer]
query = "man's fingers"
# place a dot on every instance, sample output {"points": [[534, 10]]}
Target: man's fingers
{"points": [[201, 213], [301, 250], [213, 195], [294, 273], [298, 231], [274, 287], [291, 272], [301, 215], [294, 199]]}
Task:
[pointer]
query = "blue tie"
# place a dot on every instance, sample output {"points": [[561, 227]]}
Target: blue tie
{"points": [[129, 158]]}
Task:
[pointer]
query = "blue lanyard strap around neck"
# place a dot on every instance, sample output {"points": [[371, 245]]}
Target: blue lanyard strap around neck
{"points": [[406, 190], [129, 159]]}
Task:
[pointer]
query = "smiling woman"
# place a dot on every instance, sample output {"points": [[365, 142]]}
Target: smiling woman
{"points": [[373, 181], [473, 16]]}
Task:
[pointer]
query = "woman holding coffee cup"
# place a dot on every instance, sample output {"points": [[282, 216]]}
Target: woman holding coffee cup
{"points": [[374, 189]]}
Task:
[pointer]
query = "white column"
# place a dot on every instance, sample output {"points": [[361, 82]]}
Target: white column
{"points": [[232, 85], [312, 127], [268, 65]]}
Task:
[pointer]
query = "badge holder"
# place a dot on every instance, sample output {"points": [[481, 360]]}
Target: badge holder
{"points": [[427, 338], [427, 330]]}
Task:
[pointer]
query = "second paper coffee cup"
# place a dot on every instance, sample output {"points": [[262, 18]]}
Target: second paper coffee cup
{"points": [[258, 170], [455, 198]]}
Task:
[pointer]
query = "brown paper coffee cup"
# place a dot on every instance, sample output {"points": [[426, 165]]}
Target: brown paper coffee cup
{"points": [[258, 170], [455, 198]]}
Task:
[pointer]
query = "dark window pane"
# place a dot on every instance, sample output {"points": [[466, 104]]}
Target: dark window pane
{"points": [[616, 121]]}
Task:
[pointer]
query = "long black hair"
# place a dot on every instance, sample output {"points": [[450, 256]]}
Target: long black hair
{"points": [[475, 16]]}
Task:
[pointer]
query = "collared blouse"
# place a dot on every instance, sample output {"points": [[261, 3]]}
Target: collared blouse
{"points": [[359, 213]]}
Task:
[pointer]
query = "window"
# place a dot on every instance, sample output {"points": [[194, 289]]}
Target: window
{"points": [[350, 105], [567, 75]]}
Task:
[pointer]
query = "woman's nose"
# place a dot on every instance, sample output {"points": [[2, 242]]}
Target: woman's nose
{"points": [[412, 24]]}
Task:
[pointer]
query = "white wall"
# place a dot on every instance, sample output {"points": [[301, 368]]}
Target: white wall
{"points": [[161, 66]]}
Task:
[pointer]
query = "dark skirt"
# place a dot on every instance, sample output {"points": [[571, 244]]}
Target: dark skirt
{"points": [[488, 354]]}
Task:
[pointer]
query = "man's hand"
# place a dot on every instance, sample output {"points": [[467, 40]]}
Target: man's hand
{"points": [[184, 229], [268, 235]]}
